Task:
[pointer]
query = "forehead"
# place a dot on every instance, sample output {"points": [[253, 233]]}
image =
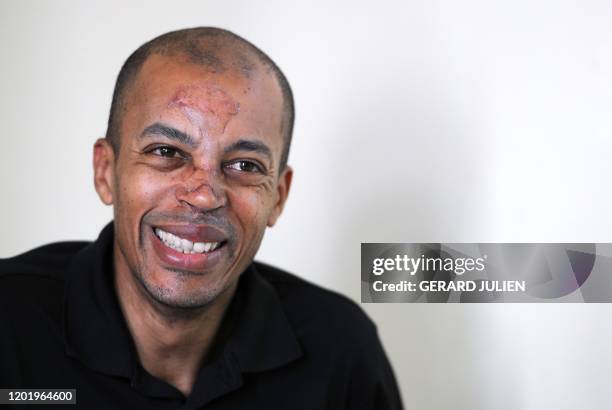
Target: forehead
{"points": [[219, 100], [207, 106]]}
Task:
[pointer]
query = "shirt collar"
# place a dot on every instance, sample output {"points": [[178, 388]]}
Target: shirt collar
{"points": [[262, 339], [95, 332]]}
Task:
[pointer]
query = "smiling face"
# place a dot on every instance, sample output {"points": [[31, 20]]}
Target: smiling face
{"points": [[196, 180]]}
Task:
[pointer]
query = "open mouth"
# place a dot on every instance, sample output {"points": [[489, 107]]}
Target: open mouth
{"points": [[184, 245]]}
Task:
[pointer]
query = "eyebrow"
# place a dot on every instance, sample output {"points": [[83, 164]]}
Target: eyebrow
{"points": [[251, 146], [174, 134], [170, 133]]}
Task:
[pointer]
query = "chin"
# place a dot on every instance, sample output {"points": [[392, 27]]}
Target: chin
{"points": [[182, 290]]}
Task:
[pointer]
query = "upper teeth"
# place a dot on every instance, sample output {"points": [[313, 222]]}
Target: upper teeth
{"points": [[185, 245]]}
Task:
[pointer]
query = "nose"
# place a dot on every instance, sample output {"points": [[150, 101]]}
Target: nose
{"points": [[202, 192]]}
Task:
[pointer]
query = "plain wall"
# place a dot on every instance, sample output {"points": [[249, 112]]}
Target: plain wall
{"points": [[417, 121]]}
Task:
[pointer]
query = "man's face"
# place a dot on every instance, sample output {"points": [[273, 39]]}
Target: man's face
{"points": [[197, 178]]}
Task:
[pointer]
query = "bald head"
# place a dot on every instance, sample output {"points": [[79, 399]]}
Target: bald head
{"points": [[217, 51]]}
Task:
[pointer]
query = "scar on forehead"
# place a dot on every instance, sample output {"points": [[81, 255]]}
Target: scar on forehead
{"points": [[208, 107]]}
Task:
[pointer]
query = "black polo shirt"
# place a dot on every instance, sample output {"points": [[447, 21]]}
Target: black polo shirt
{"points": [[284, 343]]}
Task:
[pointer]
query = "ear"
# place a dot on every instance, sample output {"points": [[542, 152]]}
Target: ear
{"points": [[284, 183], [104, 165]]}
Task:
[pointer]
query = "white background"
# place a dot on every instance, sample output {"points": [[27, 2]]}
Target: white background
{"points": [[417, 121]]}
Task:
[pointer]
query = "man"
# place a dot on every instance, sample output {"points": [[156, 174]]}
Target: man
{"points": [[167, 308]]}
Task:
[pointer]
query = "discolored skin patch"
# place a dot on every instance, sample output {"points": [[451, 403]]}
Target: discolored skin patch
{"points": [[206, 106]]}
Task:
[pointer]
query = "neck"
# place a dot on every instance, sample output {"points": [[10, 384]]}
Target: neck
{"points": [[171, 342]]}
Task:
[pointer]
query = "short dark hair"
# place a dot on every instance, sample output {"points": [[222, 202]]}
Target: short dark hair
{"points": [[196, 43]]}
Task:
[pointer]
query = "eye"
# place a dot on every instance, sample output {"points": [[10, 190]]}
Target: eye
{"points": [[166, 152], [244, 166]]}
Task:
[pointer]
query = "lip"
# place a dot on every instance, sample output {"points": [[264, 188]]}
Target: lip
{"points": [[195, 262], [195, 233]]}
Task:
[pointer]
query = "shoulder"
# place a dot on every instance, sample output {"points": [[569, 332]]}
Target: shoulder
{"points": [[47, 261], [311, 308], [37, 272], [339, 342]]}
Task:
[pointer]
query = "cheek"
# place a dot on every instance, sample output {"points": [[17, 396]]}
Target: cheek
{"points": [[140, 190], [252, 207]]}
